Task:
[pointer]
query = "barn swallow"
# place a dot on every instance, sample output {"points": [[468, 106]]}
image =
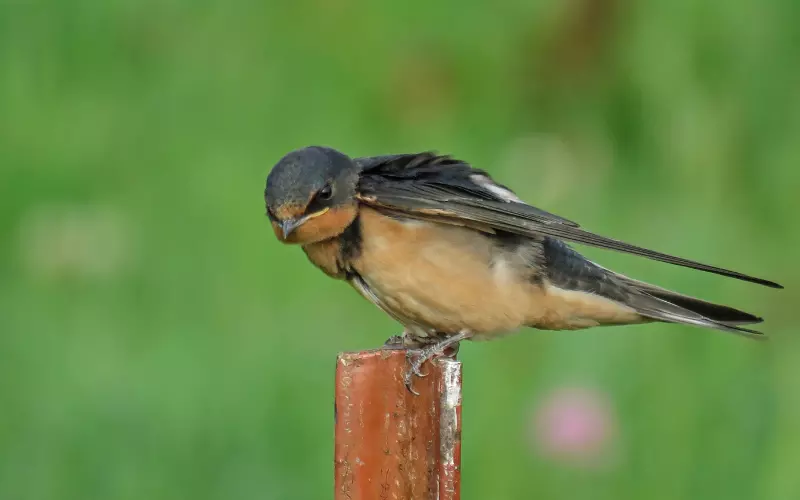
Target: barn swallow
{"points": [[453, 255]]}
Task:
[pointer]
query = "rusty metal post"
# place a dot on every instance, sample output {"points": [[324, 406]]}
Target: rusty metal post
{"points": [[391, 444]]}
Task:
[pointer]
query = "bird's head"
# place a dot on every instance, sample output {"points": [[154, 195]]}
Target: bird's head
{"points": [[310, 195]]}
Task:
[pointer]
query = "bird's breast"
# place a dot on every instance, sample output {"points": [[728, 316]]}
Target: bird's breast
{"points": [[447, 278]]}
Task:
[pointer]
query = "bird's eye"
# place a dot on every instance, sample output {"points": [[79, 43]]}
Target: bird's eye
{"points": [[325, 193], [321, 200]]}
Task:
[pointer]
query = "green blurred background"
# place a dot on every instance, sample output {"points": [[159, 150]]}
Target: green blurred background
{"points": [[156, 342]]}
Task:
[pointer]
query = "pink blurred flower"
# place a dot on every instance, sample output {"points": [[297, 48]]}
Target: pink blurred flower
{"points": [[574, 425]]}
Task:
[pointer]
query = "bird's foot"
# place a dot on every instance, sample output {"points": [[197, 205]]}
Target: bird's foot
{"points": [[417, 357]]}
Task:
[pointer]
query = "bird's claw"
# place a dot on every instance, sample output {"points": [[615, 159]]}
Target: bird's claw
{"points": [[408, 378], [416, 358]]}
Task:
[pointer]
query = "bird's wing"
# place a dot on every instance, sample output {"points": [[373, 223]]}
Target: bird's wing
{"points": [[440, 188]]}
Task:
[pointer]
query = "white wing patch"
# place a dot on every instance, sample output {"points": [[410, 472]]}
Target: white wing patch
{"points": [[487, 184]]}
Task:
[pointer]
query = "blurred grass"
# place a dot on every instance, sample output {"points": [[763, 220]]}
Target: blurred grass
{"points": [[156, 342]]}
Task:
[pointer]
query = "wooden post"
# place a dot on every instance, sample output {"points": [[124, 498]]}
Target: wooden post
{"points": [[391, 444]]}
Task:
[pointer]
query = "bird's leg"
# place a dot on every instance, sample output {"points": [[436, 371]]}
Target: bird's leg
{"points": [[419, 356]]}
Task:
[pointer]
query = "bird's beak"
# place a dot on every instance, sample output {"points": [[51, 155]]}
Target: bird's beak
{"points": [[288, 226]]}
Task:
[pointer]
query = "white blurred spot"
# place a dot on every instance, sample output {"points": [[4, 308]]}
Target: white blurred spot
{"points": [[555, 167], [84, 241]]}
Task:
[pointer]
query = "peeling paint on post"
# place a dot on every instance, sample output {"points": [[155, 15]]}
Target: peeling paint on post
{"points": [[391, 444], [449, 430]]}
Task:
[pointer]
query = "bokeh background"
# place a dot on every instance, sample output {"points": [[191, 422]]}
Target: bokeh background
{"points": [[157, 342]]}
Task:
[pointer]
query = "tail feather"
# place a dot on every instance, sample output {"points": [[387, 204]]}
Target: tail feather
{"points": [[662, 310], [716, 312], [665, 305]]}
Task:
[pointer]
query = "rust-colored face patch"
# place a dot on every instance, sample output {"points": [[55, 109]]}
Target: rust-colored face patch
{"points": [[327, 224]]}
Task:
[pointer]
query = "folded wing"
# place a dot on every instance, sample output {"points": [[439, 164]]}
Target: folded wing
{"points": [[440, 188]]}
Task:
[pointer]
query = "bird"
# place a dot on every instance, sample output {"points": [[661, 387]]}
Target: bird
{"points": [[453, 255]]}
